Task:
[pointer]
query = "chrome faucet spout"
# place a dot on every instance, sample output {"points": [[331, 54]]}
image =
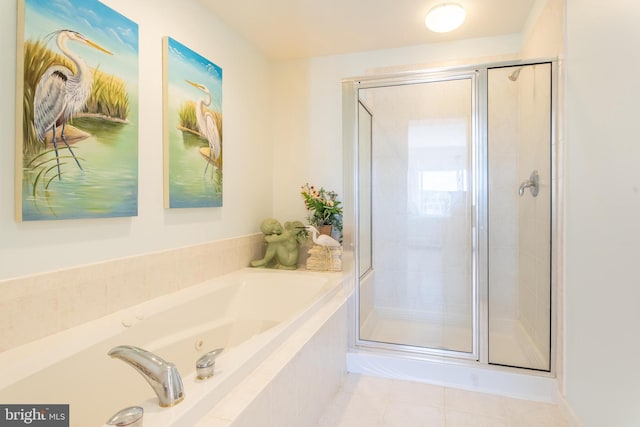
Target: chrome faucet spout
{"points": [[162, 376]]}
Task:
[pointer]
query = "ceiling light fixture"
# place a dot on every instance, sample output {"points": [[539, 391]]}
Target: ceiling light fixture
{"points": [[445, 17]]}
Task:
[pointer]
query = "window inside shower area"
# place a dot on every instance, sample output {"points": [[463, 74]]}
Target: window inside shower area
{"points": [[453, 247]]}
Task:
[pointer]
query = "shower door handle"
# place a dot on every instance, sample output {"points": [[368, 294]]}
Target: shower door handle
{"points": [[533, 184]]}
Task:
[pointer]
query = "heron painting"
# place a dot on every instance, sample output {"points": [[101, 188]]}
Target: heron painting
{"points": [[61, 93], [77, 154], [193, 148]]}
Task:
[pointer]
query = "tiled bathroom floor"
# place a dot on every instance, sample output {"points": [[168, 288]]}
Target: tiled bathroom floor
{"points": [[366, 401]]}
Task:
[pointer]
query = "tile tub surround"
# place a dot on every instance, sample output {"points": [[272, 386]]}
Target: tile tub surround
{"points": [[296, 383], [33, 307]]}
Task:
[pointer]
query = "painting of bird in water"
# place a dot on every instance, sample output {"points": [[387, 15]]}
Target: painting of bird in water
{"points": [[77, 101], [192, 127]]}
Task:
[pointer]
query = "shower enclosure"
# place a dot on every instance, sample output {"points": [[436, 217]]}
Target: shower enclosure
{"points": [[452, 198]]}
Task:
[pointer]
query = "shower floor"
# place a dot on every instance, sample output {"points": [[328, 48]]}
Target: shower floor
{"points": [[512, 346], [454, 335], [508, 346]]}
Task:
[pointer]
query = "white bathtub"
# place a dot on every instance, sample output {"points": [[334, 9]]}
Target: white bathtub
{"points": [[249, 313]]}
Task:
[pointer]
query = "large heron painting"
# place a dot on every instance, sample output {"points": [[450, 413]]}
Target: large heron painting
{"points": [[193, 128], [77, 101]]}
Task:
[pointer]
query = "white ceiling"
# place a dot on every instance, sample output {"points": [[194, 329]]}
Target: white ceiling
{"points": [[286, 29]]}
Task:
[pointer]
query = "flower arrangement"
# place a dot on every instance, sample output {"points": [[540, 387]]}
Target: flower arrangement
{"points": [[323, 206]]}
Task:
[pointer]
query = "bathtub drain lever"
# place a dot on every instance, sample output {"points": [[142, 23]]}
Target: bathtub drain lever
{"points": [[206, 364]]}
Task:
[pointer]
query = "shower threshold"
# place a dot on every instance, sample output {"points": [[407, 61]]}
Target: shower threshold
{"points": [[448, 372]]}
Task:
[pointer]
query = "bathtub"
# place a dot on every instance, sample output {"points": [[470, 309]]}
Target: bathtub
{"points": [[249, 312]]}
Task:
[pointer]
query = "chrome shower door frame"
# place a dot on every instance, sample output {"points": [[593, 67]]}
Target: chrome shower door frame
{"points": [[479, 208], [351, 102]]}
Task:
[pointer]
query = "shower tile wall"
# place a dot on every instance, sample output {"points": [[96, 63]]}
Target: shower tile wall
{"points": [[503, 206], [534, 216]]}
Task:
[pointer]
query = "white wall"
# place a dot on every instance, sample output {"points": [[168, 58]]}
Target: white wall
{"points": [[603, 212], [33, 247]]}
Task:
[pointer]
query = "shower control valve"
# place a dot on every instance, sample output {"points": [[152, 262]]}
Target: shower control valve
{"points": [[533, 184]]}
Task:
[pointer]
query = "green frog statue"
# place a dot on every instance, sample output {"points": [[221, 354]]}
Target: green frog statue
{"points": [[283, 244]]}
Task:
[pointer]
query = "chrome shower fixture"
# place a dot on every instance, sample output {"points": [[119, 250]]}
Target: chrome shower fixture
{"points": [[514, 76], [533, 184]]}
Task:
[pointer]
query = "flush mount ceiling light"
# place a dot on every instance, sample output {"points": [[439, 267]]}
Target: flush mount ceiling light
{"points": [[445, 17]]}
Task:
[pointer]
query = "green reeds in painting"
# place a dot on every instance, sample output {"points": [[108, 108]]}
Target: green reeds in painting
{"points": [[109, 97], [187, 117]]}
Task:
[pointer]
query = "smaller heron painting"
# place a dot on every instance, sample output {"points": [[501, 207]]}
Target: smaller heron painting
{"points": [[193, 140]]}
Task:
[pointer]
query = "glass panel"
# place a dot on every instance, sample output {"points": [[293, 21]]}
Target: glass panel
{"points": [[519, 150], [364, 195], [420, 289]]}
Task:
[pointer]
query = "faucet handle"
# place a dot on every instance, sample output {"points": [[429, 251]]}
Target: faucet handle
{"points": [[129, 417], [206, 364]]}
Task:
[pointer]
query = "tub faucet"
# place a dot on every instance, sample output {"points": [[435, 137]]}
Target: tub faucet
{"points": [[162, 376]]}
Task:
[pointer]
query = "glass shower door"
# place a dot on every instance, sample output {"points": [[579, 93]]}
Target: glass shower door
{"points": [[417, 188], [519, 215]]}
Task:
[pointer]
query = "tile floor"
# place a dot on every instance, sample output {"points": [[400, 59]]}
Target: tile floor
{"points": [[366, 401]]}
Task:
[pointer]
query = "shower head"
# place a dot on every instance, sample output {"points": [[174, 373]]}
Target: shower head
{"points": [[514, 76]]}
